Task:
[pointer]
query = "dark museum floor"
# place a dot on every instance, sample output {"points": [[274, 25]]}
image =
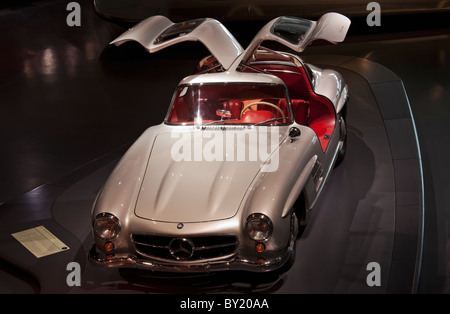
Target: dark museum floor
{"points": [[71, 105]]}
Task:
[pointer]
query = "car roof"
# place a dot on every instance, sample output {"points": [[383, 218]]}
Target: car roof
{"points": [[232, 77]]}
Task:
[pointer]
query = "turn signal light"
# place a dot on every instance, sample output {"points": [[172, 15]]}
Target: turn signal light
{"points": [[109, 246], [260, 247]]}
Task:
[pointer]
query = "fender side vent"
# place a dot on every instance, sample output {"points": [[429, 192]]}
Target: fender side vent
{"points": [[317, 174]]}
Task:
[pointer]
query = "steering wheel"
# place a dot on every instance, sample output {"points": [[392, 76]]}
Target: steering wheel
{"points": [[261, 103]]}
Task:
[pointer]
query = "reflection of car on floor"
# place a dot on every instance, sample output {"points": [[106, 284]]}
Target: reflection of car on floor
{"points": [[240, 160]]}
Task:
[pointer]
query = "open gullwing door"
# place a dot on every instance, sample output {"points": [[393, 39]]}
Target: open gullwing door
{"points": [[158, 32], [297, 33]]}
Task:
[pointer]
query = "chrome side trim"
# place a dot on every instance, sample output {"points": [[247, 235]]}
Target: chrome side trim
{"points": [[325, 177]]}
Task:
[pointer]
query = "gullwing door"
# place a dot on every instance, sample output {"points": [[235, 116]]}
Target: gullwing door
{"points": [[158, 32], [297, 33]]}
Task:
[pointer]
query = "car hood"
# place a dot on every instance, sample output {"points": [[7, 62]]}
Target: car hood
{"points": [[189, 178]]}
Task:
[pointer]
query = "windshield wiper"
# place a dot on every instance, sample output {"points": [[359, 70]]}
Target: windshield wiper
{"points": [[270, 120], [222, 121], [216, 122]]}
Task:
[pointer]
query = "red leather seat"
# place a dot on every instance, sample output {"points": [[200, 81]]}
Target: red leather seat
{"points": [[257, 116], [300, 108], [234, 106]]}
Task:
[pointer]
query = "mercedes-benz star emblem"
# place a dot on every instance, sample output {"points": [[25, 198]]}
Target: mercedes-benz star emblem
{"points": [[181, 248]]}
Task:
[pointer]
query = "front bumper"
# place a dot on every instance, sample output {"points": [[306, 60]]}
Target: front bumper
{"points": [[234, 263]]}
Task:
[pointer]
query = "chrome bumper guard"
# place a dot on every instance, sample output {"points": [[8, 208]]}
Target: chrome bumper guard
{"points": [[223, 265]]}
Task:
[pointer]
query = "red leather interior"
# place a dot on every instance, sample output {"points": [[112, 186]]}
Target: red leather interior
{"points": [[295, 83], [257, 116], [300, 108], [310, 109], [234, 106], [294, 78], [180, 113], [322, 118]]}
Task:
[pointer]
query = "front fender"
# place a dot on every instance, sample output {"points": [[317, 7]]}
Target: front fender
{"points": [[272, 192], [120, 191]]}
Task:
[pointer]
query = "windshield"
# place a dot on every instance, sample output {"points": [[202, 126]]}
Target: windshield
{"points": [[230, 104]]}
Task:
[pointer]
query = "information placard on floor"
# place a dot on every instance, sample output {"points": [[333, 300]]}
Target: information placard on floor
{"points": [[40, 241]]}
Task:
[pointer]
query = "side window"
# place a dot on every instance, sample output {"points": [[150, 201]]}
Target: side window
{"points": [[179, 112], [292, 30], [178, 29]]}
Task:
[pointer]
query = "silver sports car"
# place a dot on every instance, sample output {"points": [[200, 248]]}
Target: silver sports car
{"points": [[233, 172]]}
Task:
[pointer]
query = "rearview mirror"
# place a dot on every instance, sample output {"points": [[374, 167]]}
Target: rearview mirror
{"points": [[294, 133], [223, 113]]}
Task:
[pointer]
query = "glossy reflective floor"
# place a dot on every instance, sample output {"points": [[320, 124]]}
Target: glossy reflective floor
{"points": [[70, 106]]}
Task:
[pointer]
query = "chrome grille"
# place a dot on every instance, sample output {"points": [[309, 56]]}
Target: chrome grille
{"points": [[184, 248]]}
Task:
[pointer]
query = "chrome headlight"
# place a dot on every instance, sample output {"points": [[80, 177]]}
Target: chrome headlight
{"points": [[106, 226], [259, 227]]}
